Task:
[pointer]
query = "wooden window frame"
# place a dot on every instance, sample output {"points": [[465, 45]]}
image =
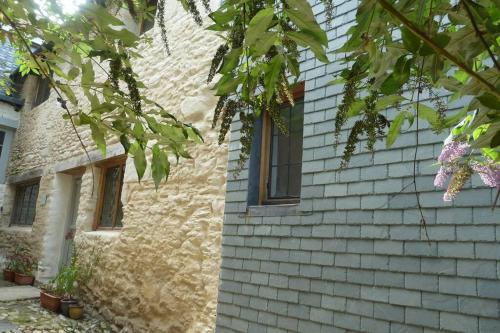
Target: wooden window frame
{"points": [[265, 155], [16, 203], [36, 98], [104, 166]]}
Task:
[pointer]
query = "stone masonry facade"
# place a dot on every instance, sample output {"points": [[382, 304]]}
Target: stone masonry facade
{"points": [[353, 256]]}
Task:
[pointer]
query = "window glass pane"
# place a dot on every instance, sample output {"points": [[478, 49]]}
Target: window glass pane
{"points": [[25, 204], [42, 92], [110, 188], [32, 204], [294, 180], [286, 155], [2, 138]]}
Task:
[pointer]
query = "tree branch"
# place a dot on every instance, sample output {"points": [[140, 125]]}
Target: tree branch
{"points": [[423, 36], [480, 35], [54, 86]]}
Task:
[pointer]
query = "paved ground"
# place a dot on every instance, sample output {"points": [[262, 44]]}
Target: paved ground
{"points": [[26, 316], [4, 283], [17, 293]]}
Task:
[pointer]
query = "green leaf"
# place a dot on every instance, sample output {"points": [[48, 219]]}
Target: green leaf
{"points": [[410, 41], [73, 73], [306, 40], [427, 113], [301, 14], [138, 131], [231, 60], [395, 128], [495, 142], [258, 25], [227, 85], [272, 75], [88, 75], [160, 166], [386, 101], [490, 101], [140, 163], [264, 43], [125, 143], [396, 79], [456, 118], [98, 137], [68, 92]]}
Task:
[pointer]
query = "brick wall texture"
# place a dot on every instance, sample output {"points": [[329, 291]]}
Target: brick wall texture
{"points": [[353, 256]]}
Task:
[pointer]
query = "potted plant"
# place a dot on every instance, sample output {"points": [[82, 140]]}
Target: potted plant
{"points": [[67, 280], [26, 264], [72, 277], [76, 311], [9, 270], [13, 263], [49, 296]]}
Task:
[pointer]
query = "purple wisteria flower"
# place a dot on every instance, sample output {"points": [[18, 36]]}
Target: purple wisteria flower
{"points": [[453, 151], [441, 177], [490, 174]]}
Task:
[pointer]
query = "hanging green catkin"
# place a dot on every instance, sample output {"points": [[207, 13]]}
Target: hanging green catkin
{"points": [[160, 13], [206, 5], [274, 112], [329, 9], [247, 132], [285, 90], [227, 118], [350, 91], [370, 119], [193, 9], [134, 94], [218, 110], [216, 61], [352, 141], [115, 67]]}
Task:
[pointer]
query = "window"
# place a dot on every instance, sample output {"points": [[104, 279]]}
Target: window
{"points": [[281, 155], [25, 203], [109, 213], [2, 138], [148, 21], [42, 91]]}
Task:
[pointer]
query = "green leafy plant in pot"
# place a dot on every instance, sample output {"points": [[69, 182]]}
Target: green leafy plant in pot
{"points": [[25, 264], [72, 277], [10, 268], [50, 296]]}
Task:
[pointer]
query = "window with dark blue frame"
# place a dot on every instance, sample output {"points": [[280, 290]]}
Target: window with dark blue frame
{"points": [[281, 154]]}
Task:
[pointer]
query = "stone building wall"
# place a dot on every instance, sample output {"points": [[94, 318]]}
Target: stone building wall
{"points": [[159, 273], [352, 256]]}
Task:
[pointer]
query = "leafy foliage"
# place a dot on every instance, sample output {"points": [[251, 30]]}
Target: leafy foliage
{"points": [[259, 59], [397, 50], [403, 49], [94, 51]]}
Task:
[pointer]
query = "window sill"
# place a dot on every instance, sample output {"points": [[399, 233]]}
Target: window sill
{"points": [[103, 233], [275, 210], [17, 228]]}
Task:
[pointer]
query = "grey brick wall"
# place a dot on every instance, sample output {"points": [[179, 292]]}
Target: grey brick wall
{"points": [[353, 256]]}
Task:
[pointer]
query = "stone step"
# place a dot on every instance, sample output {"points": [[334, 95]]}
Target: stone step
{"points": [[17, 293]]}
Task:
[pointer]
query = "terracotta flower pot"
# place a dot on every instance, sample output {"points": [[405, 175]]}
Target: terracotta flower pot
{"points": [[65, 304], [75, 311], [24, 280], [50, 302], [8, 275]]}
